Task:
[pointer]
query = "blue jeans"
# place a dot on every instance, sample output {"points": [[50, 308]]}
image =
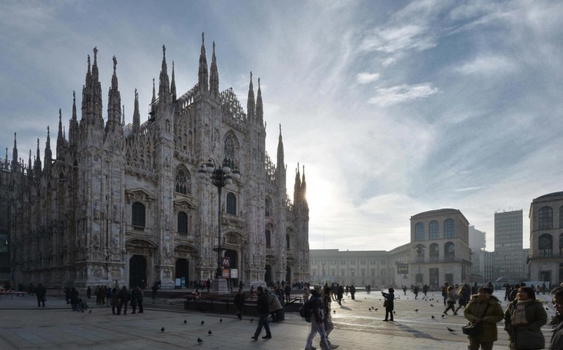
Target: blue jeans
{"points": [[263, 322]]}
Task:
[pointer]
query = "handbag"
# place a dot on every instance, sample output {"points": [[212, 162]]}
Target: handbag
{"points": [[474, 329]]}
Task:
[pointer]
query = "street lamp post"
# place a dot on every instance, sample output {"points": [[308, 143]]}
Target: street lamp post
{"points": [[220, 177]]}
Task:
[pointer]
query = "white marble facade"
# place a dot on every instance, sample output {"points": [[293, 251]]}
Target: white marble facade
{"points": [[125, 204]]}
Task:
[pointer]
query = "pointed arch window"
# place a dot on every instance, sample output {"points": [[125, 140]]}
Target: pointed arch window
{"points": [[268, 239], [268, 207], [231, 148], [138, 215], [231, 204], [182, 223], [183, 180]]}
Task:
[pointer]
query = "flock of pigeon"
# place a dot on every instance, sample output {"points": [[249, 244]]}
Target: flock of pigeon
{"points": [[209, 332]]}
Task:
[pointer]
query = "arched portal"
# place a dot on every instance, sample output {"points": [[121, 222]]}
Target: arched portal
{"points": [[137, 271], [182, 270], [268, 275]]}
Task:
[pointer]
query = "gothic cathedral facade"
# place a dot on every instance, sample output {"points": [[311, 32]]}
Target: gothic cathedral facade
{"points": [[128, 204]]}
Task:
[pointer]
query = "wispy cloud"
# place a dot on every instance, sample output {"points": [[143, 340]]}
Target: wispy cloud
{"points": [[366, 78], [488, 64], [389, 96]]}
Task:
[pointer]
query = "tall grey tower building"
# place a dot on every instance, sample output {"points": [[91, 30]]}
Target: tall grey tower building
{"points": [[510, 257]]}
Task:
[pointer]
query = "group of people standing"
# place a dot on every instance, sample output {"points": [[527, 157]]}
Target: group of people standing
{"points": [[121, 298]]}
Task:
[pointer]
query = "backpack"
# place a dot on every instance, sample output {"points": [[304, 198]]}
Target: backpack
{"points": [[306, 310]]}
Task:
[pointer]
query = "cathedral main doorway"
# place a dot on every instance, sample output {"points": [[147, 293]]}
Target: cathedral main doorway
{"points": [[137, 271], [182, 270]]}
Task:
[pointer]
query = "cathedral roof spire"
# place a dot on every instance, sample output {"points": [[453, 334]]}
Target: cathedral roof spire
{"points": [[259, 106], [136, 115], [37, 165], [29, 162], [173, 85], [297, 187], [15, 153], [202, 74], [250, 106], [114, 101], [60, 137], [280, 164], [164, 83], [73, 128], [48, 156], [214, 78]]}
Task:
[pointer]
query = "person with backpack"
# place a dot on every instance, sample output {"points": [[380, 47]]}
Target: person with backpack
{"points": [[389, 304], [483, 313], [314, 313], [263, 312], [523, 320]]}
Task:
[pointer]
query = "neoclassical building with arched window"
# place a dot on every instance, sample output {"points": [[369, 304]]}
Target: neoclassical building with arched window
{"points": [[125, 203], [439, 248], [546, 239]]}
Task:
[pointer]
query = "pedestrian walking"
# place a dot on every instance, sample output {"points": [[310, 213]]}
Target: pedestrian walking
{"points": [[329, 326], [123, 300], [353, 292], [415, 290], [389, 304], [40, 293], [483, 313], [463, 294], [445, 293], [74, 299], [115, 306], [88, 292], [425, 290], [263, 312], [339, 294], [239, 303], [405, 290], [523, 320], [452, 296], [556, 342], [138, 292], [317, 316]]}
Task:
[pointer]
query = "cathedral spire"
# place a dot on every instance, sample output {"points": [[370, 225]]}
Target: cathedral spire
{"points": [[153, 100], [259, 106], [164, 83], [37, 165], [29, 162], [280, 161], [297, 187], [15, 153], [214, 79], [173, 85], [60, 137], [73, 128], [136, 115], [250, 101], [202, 74], [48, 155], [303, 184], [92, 94], [114, 101]]}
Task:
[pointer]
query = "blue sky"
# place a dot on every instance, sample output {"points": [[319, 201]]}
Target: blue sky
{"points": [[395, 107]]}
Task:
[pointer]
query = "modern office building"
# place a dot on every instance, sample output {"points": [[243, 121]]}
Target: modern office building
{"points": [[509, 256]]}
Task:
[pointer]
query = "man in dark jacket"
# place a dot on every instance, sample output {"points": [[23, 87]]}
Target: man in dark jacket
{"points": [[389, 304], [556, 342], [263, 312], [317, 321], [239, 303], [123, 299], [40, 293]]}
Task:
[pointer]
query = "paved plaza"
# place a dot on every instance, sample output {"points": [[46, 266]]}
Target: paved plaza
{"points": [[23, 326]]}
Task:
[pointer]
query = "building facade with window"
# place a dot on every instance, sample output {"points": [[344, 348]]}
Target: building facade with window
{"points": [[510, 256], [439, 248], [126, 204], [360, 268], [546, 239]]}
